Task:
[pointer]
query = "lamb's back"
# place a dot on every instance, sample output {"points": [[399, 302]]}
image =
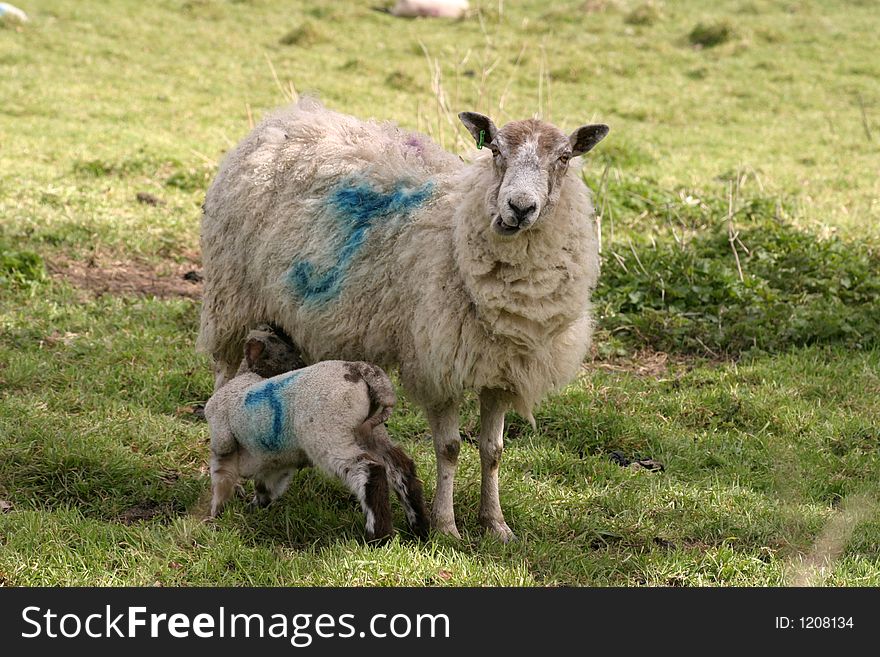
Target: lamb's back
{"points": [[296, 410]]}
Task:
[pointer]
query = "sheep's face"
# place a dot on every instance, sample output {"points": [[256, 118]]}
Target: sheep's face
{"points": [[530, 160], [269, 352]]}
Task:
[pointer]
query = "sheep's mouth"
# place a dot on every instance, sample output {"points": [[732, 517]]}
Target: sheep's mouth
{"points": [[505, 229]]}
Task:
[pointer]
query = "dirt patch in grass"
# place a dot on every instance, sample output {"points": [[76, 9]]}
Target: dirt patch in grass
{"points": [[144, 512], [652, 364], [131, 277], [644, 363]]}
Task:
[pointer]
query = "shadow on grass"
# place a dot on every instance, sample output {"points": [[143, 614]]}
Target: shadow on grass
{"points": [[113, 489]]}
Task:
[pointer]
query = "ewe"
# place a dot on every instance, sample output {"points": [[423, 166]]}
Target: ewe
{"points": [[363, 241]]}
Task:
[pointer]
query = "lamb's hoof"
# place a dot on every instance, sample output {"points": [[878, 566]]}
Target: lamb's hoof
{"points": [[446, 527], [499, 530], [258, 502]]}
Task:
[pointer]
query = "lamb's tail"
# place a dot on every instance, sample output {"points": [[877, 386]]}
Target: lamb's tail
{"points": [[381, 391]]}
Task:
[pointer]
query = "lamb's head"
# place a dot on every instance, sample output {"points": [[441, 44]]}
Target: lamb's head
{"points": [[269, 352], [530, 159]]}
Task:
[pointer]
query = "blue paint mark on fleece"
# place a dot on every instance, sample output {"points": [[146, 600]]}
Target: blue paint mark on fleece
{"points": [[358, 207], [269, 393]]}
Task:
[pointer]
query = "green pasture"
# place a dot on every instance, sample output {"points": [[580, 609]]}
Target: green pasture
{"points": [[738, 339]]}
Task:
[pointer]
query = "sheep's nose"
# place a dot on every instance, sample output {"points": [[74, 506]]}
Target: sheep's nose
{"points": [[519, 212]]}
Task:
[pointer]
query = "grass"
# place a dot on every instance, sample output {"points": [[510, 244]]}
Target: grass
{"points": [[714, 34], [738, 200], [718, 277]]}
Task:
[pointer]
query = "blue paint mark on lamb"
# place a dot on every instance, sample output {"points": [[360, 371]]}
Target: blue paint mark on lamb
{"points": [[358, 207], [269, 393]]}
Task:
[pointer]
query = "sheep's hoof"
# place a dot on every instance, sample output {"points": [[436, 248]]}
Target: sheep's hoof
{"points": [[445, 527], [379, 540], [499, 530]]}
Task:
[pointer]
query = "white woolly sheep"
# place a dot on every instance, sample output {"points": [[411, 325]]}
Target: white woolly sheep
{"points": [[12, 13], [329, 415], [430, 8], [364, 241]]}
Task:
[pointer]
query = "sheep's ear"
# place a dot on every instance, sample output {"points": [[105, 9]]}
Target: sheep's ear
{"points": [[586, 137], [253, 349], [481, 128]]}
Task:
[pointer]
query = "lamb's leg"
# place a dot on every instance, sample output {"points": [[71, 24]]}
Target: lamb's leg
{"points": [[376, 503], [224, 477], [270, 486], [447, 441], [492, 409], [367, 479], [403, 479]]}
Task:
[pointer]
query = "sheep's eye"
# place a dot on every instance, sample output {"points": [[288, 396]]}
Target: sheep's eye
{"points": [[564, 158]]}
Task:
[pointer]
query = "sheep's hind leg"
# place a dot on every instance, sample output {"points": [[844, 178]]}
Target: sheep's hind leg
{"points": [[367, 479], [403, 479], [447, 442], [492, 409]]}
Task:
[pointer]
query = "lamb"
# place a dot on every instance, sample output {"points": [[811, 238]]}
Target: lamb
{"points": [[365, 241], [329, 415]]}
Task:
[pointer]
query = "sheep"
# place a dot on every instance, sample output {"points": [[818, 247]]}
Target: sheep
{"points": [[12, 14], [329, 415], [430, 8], [365, 241]]}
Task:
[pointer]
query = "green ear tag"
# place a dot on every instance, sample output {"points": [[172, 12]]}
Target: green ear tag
{"points": [[482, 137]]}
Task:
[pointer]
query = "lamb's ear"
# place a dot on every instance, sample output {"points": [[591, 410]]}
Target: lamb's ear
{"points": [[481, 128], [586, 137], [253, 349]]}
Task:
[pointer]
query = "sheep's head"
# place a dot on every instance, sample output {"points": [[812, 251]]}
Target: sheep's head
{"points": [[530, 161], [269, 352]]}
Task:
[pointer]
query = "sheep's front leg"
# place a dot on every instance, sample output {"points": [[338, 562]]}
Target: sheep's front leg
{"points": [[224, 461], [269, 486], [492, 409], [447, 442], [224, 477]]}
